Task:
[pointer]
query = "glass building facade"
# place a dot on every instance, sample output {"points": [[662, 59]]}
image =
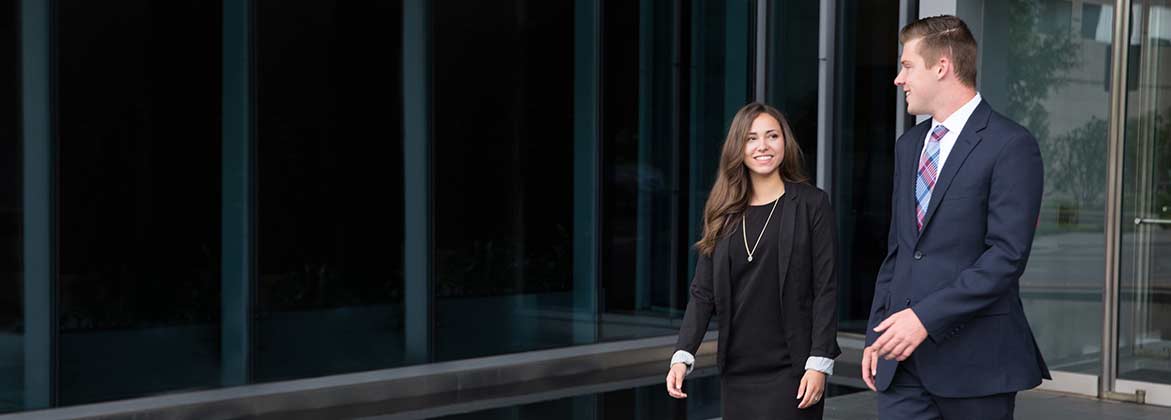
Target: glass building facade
{"points": [[200, 194]]}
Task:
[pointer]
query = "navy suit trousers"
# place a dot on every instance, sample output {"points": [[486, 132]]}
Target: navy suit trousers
{"points": [[906, 399]]}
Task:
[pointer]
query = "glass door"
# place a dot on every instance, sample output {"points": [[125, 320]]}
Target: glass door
{"points": [[1144, 292]]}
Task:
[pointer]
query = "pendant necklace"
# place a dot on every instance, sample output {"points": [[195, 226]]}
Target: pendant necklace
{"points": [[744, 228]]}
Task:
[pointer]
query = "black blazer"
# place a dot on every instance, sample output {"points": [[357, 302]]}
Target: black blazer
{"points": [[808, 281]]}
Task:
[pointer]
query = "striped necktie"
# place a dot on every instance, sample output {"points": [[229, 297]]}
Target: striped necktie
{"points": [[928, 173]]}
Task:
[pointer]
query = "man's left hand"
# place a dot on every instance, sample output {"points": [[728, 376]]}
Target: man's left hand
{"points": [[901, 335]]}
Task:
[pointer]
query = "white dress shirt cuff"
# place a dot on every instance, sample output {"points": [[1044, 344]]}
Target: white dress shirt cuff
{"points": [[820, 364], [684, 358]]}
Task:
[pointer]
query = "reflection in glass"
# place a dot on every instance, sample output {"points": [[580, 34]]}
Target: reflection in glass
{"points": [[503, 162], [1144, 343], [1044, 65], [662, 127], [863, 149], [643, 94], [329, 182], [11, 214], [640, 403], [644, 402], [139, 198]]}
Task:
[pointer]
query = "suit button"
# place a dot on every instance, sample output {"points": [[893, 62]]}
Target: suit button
{"points": [[918, 255]]}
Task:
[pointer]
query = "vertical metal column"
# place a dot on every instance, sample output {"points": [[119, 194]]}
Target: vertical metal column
{"points": [[695, 140], [417, 270], [648, 136], [239, 205], [38, 99], [825, 94], [900, 98], [1117, 135], [760, 58], [586, 168]]}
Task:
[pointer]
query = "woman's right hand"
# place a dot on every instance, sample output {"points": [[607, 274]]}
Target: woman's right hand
{"points": [[675, 380]]}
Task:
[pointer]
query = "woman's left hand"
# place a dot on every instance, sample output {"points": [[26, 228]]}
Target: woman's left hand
{"points": [[811, 389]]}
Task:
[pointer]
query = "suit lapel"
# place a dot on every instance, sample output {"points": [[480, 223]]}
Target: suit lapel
{"points": [[723, 286], [723, 271], [968, 139], [912, 151], [785, 247]]}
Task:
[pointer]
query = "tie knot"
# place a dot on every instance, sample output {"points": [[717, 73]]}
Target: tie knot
{"points": [[938, 133]]}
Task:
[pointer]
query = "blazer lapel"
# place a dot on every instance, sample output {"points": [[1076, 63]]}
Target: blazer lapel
{"points": [[967, 141], [918, 136], [722, 283], [786, 226]]}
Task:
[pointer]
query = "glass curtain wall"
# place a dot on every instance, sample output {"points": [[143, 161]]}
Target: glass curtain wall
{"points": [[643, 95], [11, 215], [1144, 317], [330, 187], [503, 165], [792, 28], [502, 156], [657, 116], [139, 197], [139, 182], [1045, 64], [863, 148]]}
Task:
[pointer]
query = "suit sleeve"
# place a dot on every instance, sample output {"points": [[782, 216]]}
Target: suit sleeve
{"points": [[887, 270], [825, 282], [700, 307], [1014, 202]]}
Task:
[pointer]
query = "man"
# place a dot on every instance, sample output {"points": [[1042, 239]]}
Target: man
{"points": [[947, 336]]}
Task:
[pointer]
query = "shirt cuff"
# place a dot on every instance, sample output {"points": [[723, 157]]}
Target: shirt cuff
{"points": [[684, 358], [820, 364]]}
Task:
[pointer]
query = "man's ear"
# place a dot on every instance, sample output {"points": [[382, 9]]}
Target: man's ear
{"points": [[942, 67]]}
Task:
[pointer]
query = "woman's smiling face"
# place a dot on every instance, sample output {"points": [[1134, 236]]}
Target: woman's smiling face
{"points": [[765, 147]]}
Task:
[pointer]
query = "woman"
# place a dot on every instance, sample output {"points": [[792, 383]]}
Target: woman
{"points": [[766, 268]]}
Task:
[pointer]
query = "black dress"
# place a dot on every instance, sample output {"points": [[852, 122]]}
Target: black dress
{"points": [[759, 380]]}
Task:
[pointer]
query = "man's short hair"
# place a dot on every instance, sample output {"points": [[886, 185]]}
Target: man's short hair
{"points": [[945, 36]]}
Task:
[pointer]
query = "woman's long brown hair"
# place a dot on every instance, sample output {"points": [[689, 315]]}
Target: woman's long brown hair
{"points": [[733, 188]]}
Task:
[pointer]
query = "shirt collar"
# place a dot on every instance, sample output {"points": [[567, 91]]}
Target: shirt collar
{"points": [[956, 122]]}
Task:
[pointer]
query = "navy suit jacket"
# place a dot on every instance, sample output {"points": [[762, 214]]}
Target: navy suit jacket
{"points": [[961, 273]]}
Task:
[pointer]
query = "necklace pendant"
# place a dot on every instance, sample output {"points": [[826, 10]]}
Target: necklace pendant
{"points": [[749, 258]]}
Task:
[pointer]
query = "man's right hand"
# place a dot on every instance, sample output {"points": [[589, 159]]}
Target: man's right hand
{"points": [[869, 367], [675, 380]]}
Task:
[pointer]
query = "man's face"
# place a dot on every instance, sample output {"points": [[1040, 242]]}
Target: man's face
{"points": [[918, 80]]}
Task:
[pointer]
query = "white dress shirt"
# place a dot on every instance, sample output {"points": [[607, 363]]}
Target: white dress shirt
{"points": [[955, 124]]}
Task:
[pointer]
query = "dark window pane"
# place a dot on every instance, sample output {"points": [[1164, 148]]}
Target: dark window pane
{"points": [[330, 209], [644, 232], [791, 82], [503, 176], [663, 125], [139, 197], [864, 138], [11, 211], [719, 70]]}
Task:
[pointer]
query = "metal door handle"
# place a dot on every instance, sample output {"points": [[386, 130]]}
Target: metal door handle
{"points": [[1139, 221]]}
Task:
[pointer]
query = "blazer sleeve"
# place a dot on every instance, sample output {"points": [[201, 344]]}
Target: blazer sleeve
{"points": [[824, 337], [700, 307], [886, 272], [1014, 203]]}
